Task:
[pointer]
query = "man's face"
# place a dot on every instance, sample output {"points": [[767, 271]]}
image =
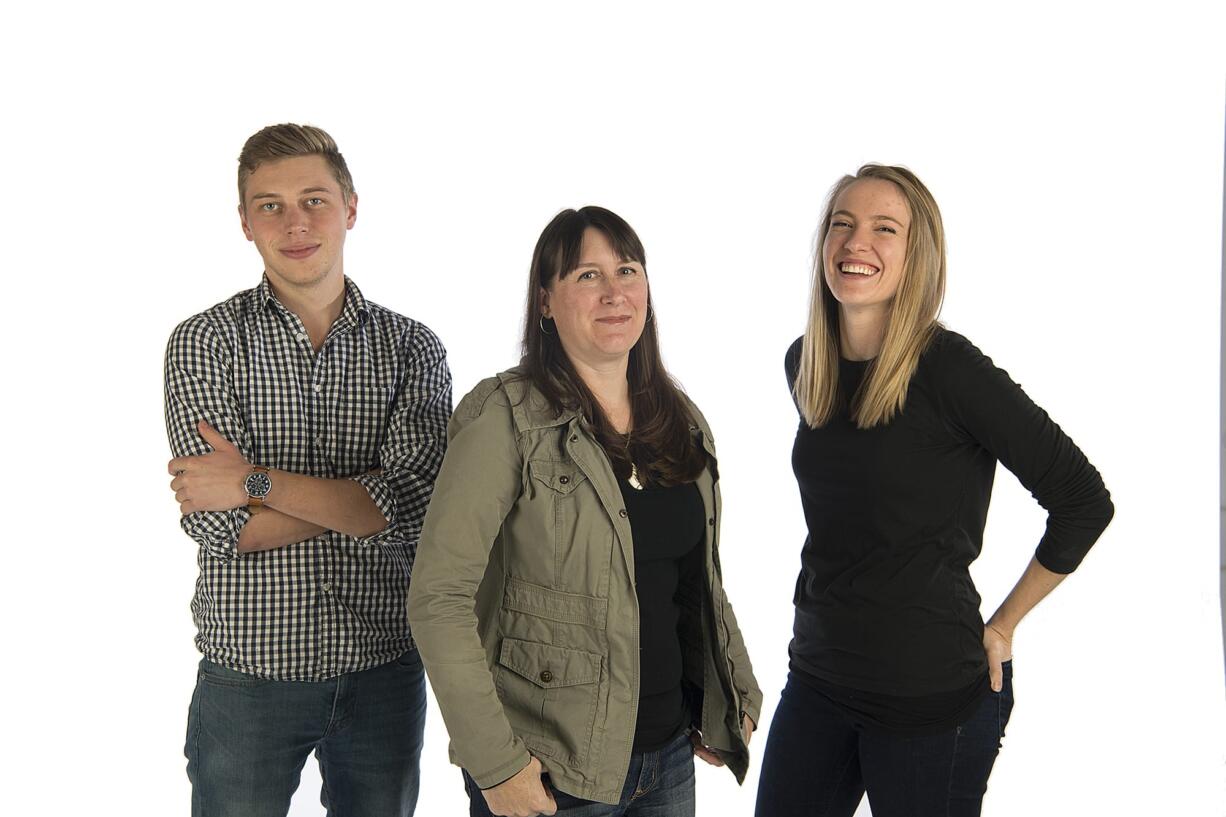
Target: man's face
{"points": [[294, 211]]}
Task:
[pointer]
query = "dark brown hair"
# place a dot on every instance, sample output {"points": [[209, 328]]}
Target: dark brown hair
{"points": [[660, 443], [285, 141]]}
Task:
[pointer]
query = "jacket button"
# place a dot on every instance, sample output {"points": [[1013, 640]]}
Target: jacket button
{"points": [[711, 521], [622, 513], [546, 676], [574, 438], [564, 479]]}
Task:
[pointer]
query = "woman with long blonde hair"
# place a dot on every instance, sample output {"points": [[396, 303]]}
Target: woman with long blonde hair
{"points": [[897, 688]]}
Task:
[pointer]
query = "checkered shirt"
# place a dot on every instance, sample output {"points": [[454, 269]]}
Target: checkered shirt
{"points": [[376, 396]]}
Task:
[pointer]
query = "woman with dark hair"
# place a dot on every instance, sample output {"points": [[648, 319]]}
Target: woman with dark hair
{"points": [[896, 686], [566, 597]]}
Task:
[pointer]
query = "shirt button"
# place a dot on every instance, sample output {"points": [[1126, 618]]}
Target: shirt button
{"points": [[319, 440], [318, 388], [622, 513], [326, 587], [546, 676], [564, 479], [300, 337]]}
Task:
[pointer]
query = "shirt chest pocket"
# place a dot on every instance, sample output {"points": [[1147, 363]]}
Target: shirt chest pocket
{"points": [[354, 428], [559, 529]]}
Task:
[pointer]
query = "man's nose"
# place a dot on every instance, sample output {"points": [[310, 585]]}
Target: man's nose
{"points": [[295, 220]]}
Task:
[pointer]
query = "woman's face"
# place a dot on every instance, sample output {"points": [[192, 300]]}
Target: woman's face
{"points": [[866, 245], [599, 307]]}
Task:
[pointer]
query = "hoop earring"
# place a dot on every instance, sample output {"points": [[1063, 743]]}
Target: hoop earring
{"points": [[544, 331], [649, 314]]}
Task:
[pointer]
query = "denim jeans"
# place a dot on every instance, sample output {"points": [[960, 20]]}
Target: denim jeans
{"points": [[248, 739], [818, 763], [658, 784]]}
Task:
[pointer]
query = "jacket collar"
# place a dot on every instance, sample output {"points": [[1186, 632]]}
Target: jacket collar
{"points": [[530, 410]]}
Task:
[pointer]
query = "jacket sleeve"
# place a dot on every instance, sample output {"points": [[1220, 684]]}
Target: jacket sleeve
{"points": [[480, 480], [199, 387], [984, 404]]}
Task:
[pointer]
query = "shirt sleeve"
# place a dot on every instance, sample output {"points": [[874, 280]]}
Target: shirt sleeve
{"points": [[413, 446], [199, 386], [986, 405]]}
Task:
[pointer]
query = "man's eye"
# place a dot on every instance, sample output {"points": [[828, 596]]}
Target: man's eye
{"points": [[315, 202], [268, 206]]}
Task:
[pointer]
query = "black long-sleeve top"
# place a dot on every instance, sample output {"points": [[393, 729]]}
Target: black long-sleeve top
{"points": [[886, 613]]}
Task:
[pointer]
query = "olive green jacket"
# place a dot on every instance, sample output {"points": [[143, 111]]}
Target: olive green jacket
{"points": [[523, 606]]}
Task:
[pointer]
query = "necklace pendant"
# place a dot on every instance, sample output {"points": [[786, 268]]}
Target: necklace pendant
{"points": [[634, 478]]}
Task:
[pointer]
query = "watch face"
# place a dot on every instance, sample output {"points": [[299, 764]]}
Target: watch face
{"points": [[258, 484]]}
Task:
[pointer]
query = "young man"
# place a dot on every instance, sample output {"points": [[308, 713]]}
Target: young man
{"points": [[307, 426]]}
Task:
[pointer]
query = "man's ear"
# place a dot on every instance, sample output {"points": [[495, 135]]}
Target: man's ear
{"points": [[351, 205], [242, 218]]}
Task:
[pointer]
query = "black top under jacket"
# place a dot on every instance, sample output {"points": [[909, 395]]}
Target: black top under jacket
{"points": [[666, 523]]}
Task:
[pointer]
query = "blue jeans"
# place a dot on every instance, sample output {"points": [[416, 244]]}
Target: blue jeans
{"points": [[658, 784], [818, 763], [248, 739]]}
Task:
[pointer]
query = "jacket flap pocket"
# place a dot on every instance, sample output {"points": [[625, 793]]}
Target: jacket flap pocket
{"points": [[547, 666], [555, 605], [560, 476]]}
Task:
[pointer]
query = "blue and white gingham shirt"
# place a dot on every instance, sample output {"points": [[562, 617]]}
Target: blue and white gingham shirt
{"points": [[377, 395]]}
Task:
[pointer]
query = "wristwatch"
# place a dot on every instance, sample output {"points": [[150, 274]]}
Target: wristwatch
{"points": [[257, 485]]}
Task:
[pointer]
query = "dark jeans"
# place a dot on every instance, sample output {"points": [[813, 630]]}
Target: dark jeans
{"points": [[658, 784], [818, 763], [248, 739]]}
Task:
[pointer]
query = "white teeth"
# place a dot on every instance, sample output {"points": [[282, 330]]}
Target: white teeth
{"points": [[858, 269]]}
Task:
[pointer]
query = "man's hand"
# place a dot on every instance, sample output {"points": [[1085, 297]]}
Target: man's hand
{"points": [[210, 482], [524, 795], [998, 644], [710, 754]]}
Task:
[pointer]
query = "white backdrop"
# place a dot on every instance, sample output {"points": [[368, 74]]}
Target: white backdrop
{"points": [[1077, 156]]}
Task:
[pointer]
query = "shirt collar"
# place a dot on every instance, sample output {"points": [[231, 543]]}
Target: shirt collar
{"points": [[354, 312]]}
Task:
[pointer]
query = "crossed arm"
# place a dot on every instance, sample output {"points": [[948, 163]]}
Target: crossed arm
{"points": [[297, 508], [212, 445]]}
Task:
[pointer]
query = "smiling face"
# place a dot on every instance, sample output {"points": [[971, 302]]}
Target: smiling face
{"points": [[296, 214], [598, 308], [866, 245]]}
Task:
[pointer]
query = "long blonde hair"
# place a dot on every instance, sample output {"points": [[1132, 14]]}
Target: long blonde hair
{"points": [[910, 325]]}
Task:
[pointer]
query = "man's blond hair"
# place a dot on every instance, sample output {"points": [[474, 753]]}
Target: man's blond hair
{"points": [[284, 141]]}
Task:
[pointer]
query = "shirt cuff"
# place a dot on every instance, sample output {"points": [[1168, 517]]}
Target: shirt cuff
{"points": [[385, 500], [216, 531]]}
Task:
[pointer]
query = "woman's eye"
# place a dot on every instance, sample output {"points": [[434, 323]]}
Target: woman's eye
{"points": [[628, 271], [887, 229], [839, 223], [586, 275]]}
